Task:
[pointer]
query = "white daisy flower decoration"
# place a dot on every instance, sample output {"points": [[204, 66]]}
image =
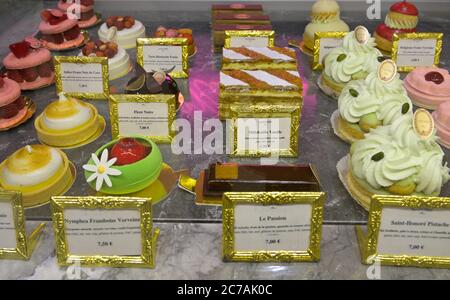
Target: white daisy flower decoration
{"points": [[102, 170]]}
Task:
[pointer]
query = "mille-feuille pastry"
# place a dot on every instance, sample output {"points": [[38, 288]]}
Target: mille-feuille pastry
{"points": [[250, 18], [219, 32], [259, 58], [236, 8], [258, 86], [38, 172], [402, 17], [354, 60], [325, 17], [395, 160], [428, 87]]}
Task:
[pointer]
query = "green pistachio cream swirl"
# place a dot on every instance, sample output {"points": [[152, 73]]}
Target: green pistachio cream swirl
{"points": [[352, 61], [394, 158]]}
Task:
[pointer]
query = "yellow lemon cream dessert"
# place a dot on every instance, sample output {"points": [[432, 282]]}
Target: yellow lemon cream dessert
{"points": [[325, 17], [394, 160], [38, 172], [354, 60], [66, 122]]}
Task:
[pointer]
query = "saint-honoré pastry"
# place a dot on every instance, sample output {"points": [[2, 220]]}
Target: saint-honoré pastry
{"points": [[258, 86], [58, 31], [150, 83], [428, 87], [29, 64], [124, 166], [118, 59], [259, 58], [325, 17], [84, 7], [122, 30], [354, 60], [66, 122], [402, 17], [394, 160], [13, 106], [365, 104], [162, 32], [38, 172], [442, 123]]}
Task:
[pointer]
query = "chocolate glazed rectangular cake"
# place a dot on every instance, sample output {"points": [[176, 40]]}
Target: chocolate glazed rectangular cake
{"points": [[231, 177]]}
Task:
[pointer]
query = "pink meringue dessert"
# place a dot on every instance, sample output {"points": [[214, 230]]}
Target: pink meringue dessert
{"points": [[29, 64], [428, 86], [87, 16], [442, 123], [58, 31], [12, 105]]}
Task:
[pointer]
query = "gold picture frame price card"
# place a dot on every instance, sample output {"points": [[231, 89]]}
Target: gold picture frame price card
{"points": [[272, 226], [14, 242], [264, 130], [82, 76], [162, 54], [104, 231], [152, 116], [411, 50], [249, 38], [407, 231], [324, 42]]}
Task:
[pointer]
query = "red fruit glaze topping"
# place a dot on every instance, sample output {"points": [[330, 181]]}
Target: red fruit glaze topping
{"points": [[128, 151], [20, 50], [406, 8], [53, 16], [435, 77]]}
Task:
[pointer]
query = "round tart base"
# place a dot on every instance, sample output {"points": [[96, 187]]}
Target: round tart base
{"points": [[159, 189], [322, 83], [382, 43], [342, 131], [95, 136], [68, 139]]}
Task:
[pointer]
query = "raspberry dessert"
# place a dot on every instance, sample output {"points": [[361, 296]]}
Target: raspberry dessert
{"points": [[87, 16], [162, 32], [13, 106], [118, 59], [58, 31], [29, 64], [124, 30]]}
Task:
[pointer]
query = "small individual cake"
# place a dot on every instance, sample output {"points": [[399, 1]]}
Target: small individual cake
{"points": [[124, 166], [395, 160], [354, 60], [428, 87], [58, 31], [29, 64], [66, 122], [84, 7], [159, 82], [442, 122], [325, 17], [162, 32], [38, 172], [365, 104], [402, 17], [122, 30], [118, 59], [13, 106]]}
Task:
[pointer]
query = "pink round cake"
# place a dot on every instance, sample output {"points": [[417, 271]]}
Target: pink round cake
{"points": [[87, 15], [58, 31], [12, 105], [29, 64], [428, 87], [442, 123]]}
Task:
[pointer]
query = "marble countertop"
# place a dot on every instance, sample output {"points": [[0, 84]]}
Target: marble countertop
{"points": [[194, 251]]}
